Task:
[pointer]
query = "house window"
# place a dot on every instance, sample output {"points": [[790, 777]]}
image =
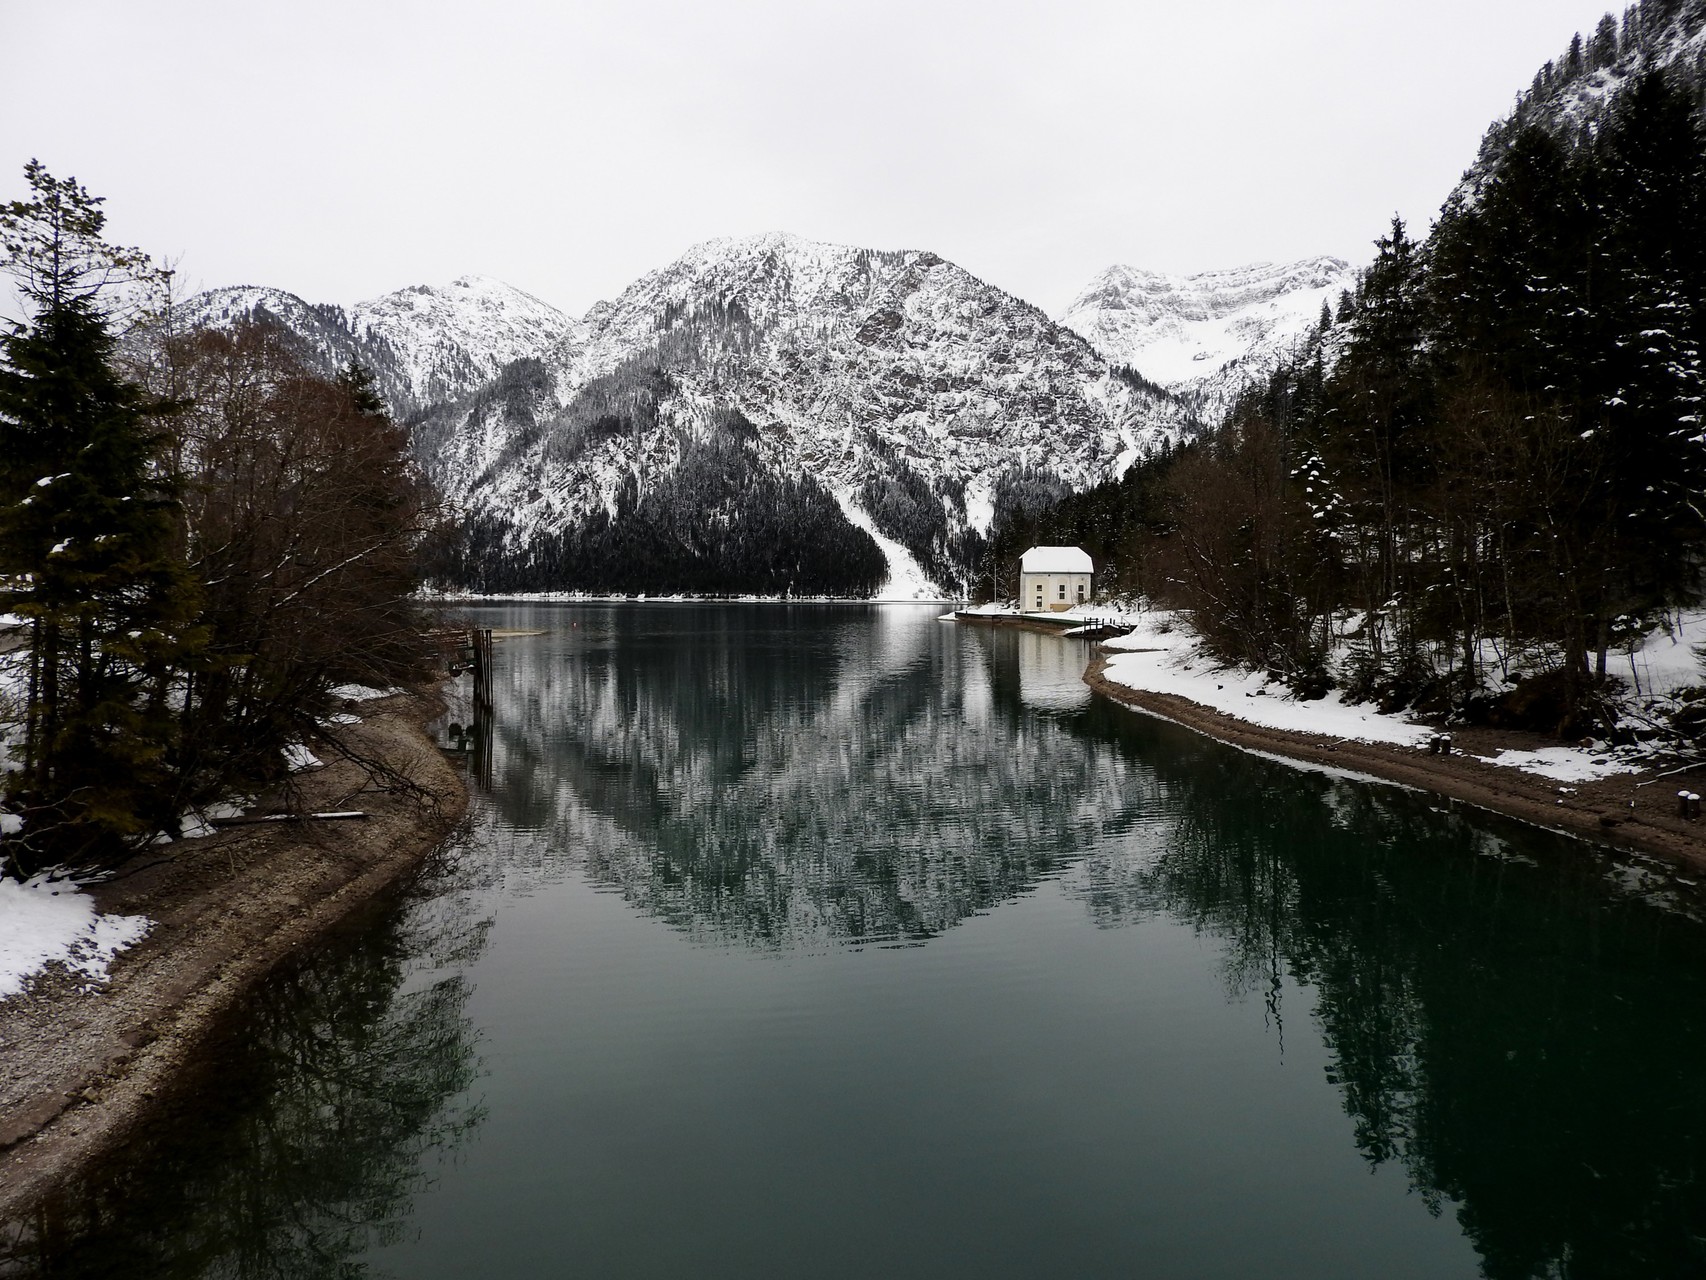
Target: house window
{"points": [[1080, 593], [1063, 591]]}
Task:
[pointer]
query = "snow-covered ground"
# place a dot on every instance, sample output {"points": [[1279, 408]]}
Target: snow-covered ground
{"points": [[44, 921], [1163, 655]]}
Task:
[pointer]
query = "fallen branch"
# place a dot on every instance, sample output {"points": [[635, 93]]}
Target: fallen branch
{"points": [[249, 820], [1668, 773]]}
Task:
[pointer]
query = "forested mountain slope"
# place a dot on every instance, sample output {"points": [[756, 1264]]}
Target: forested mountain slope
{"points": [[1573, 94]]}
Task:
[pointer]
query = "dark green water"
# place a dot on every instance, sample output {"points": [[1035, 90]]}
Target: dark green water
{"points": [[794, 941]]}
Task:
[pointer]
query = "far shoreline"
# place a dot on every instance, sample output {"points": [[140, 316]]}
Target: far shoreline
{"points": [[557, 597], [1619, 814]]}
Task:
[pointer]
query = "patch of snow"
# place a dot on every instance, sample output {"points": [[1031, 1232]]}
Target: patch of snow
{"points": [[1561, 764], [1664, 663], [907, 580], [298, 758], [197, 823], [46, 921], [361, 692], [1161, 655], [980, 504]]}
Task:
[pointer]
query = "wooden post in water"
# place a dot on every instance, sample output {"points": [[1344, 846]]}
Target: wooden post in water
{"points": [[481, 638]]}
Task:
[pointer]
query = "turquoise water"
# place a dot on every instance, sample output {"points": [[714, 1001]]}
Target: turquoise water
{"points": [[834, 941]]}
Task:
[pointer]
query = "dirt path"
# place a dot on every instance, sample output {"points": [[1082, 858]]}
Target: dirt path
{"points": [[1631, 811], [79, 1070]]}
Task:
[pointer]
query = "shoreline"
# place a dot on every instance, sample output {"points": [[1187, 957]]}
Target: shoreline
{"points": [[562, 597], [81, 1071], [1619, 812]]}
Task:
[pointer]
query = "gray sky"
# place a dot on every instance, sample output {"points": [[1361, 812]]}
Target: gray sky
{"points": [[343, 149]]}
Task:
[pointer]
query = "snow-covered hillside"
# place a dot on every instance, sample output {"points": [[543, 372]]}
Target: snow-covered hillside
{"points": [[322, 330], [899, 388], [1204, 335], [1571, 94], [446, 340], [856, 368], [424, 344]]}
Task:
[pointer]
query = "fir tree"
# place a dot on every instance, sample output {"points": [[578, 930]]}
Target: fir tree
{"points": [[89, 543]]}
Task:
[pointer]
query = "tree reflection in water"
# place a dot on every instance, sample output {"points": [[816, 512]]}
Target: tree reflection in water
{"points": [[1487, 993], [1515, 1023], [1515, 1020], [302, 1146]]}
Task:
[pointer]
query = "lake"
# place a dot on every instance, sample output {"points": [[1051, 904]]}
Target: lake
{"points": [[811, 940]]}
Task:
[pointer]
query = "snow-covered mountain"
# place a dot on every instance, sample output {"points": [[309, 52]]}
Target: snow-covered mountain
{"points": [[322, 330], [1204, 335], [908, 396], [1571, 94], [448, 339], [899, 383], [424, 344]]}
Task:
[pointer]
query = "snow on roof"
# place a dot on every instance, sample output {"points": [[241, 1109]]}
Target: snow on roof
{"points": [[1056, 560]]}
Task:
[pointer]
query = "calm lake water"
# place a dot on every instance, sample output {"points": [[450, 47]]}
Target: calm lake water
{"points": [[835, 941]]}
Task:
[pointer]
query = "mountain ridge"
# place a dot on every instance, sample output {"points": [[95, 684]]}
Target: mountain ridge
{"points": [[1205, 335], [906, 393]]}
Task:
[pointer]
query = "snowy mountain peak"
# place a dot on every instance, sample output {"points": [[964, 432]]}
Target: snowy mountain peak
{"points": [[1204, 335], [905, 387], [1207, 295], [446, 340]]}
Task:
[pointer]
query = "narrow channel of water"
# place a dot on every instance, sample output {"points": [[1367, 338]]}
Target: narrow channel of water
{"points": [[827, 941]]}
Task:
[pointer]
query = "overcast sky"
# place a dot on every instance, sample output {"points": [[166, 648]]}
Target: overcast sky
{"points": [[343, 149]]}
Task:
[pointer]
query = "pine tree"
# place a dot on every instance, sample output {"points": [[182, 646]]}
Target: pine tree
{"points": [[1650, 260], [89, 542]]}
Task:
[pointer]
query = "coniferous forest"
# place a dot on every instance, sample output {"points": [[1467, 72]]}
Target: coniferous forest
{"points": [[1487, 465]]}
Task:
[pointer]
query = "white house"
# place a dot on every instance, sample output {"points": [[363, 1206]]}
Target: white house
{"points": [[1054, 578]]}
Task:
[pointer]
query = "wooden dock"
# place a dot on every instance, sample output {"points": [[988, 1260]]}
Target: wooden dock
{"points": [[1075, 626]]}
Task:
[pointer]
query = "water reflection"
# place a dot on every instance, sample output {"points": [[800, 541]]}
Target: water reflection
{"points": [[856, 780], [1512, 1025], [303, 1145], [1514, 1020]]}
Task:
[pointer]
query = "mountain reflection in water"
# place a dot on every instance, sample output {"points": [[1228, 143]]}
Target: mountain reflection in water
{"points": [[1487, 992], [878, 799], [1510, 1025]]}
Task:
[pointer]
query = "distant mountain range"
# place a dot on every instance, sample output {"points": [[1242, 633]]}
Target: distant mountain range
{"points": [[1204, 336]]}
